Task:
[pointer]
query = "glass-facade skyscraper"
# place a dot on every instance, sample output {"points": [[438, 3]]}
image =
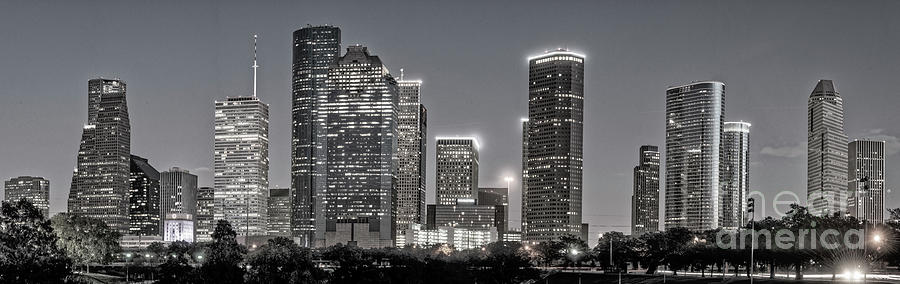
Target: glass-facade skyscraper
{"points": [[143, 199], [553, 184], [695, 115], [100, 182], [357, 127], [411, 126], [735, 174], [645, 199], [826, 180], [315, 48]]}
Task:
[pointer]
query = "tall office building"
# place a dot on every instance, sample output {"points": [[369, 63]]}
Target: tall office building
{"points": [[499, 198], [553, 187], [178, 191], [524, 184], [279, 221], [314, 49], [695, 115], [241, 161], [358, 129], [735, 174], [205, 220], [826, 177], [143, 199], [34, 189], [456, 169], [645, 199], [866, 180], [411, 155], [100, 182]]}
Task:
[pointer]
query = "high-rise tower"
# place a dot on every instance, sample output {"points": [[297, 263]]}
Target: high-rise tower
{"points": [[100, 182], [143, 199], [241, 161], [315, 48], [411, 155], [695, 115], [735, 174], [357, 119], [645, 199], [178, 192], [866, 180], [552, 196], [826, 179], [456, 169]]}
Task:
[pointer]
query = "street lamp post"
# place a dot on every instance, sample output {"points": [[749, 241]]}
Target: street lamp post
{"points": [[751, 205]]}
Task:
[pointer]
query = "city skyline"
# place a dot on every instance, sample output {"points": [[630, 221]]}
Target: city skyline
{"points": [[751, 98]]}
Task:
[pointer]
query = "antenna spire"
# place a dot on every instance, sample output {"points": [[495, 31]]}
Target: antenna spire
{"points": [[255, 66], [401, 74]]}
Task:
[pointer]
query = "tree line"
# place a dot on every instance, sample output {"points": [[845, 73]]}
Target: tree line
{"points": [[68, 248]]}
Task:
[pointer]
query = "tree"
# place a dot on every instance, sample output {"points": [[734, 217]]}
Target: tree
{"points": [[28, 251], [178, 267], [283, 261], [353, 264], [223, 261], [84, 239], [505, 262], [550, 251]]}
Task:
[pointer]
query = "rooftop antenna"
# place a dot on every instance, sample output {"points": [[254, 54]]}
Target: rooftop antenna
{"points": [[401, 74], [255, 66]]}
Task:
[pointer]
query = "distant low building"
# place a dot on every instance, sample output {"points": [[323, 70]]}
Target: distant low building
{"points": [[179, 227], [34, 189], [458, 238], [356, 232], [511, 236], [135, 243]]}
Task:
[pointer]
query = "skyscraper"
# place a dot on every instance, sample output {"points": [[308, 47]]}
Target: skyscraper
{"points": [[34, 189], [695, 115], [735, 174], [178, 192], [100, 182], [524, 184], [411, 155], [143, 199], [456, 169], [314, 49], [553, 187], [241, 161], [826, 151], [645, 199], [866, 180], [358, 129], [205, 223]]}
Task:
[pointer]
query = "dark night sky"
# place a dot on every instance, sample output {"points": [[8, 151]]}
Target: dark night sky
{"points": [[177, 57]]}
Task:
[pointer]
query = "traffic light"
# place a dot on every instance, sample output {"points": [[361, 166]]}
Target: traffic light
{"points": [[750, 205]]}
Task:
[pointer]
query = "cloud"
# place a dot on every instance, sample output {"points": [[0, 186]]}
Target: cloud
{"points": [[785, 151], [891, 143]]}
